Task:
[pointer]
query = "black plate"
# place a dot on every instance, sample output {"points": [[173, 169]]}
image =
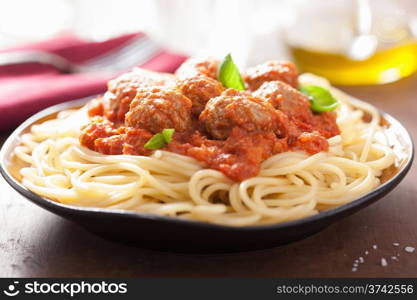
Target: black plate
{"points": [[167, 233]]}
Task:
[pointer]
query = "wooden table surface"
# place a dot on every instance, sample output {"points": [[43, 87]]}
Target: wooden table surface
{"points": [[34, 242]]}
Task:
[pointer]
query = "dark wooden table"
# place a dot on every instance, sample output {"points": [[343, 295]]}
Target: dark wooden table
{"points": [[34, 242]]}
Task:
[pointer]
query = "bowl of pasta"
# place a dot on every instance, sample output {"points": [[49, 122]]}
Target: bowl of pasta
{"points": [[208, 159]]}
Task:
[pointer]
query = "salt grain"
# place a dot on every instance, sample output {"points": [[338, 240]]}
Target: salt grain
{"points": [[375, 247], [354, 269], [394, 258], [361, 260], [409, 249], [366, 252], [384, 262], [396, 244]]}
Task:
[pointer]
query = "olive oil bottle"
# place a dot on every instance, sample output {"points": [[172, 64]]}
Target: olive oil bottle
{"points": [[360, 42], [385, 65]]}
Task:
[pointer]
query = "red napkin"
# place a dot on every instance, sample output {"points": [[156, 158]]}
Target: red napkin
{"points": [[28, 88]]}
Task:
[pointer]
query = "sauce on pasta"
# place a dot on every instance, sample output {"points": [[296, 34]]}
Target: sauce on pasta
{"points": [[225, 129]]}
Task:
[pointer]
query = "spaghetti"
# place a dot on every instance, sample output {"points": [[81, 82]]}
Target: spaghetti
{"points": [[290, 185]]}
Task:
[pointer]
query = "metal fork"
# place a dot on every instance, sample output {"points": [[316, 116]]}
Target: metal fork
{"points": [[135, 52]]}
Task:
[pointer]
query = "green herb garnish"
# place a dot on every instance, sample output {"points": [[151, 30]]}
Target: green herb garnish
{"points": [[168, 133], [320, 98], [229, 74], [160, 140]]}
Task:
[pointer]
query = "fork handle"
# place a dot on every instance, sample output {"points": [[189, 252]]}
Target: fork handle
{"points": [[41, 57]]}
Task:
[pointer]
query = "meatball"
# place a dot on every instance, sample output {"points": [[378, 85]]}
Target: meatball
{"points": [[296, 106], [199, 90], [271, 71], [157, 108], [198, 66], [122, 90], [287, 99], [98, 128], [237, 109]]}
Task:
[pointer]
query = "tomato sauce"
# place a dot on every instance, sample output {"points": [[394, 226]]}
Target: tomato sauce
{"points": [[238, 157], [224, 129]]}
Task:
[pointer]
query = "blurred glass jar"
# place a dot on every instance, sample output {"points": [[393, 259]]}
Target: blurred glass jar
{"points": [[354, 42]]}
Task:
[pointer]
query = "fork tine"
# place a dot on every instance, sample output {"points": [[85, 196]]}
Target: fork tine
{"points": [[136, 52], [128, 60], [136, 57], [116, 52]]}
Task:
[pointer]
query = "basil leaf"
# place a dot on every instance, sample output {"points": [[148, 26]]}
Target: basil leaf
{"points": [[156, 142], [167, 133], [229, 74], [320, 98], [160, 140]]}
